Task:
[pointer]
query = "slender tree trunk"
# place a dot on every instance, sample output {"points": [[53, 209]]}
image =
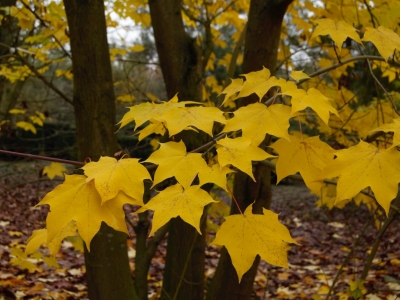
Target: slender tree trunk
{"points": [[107, 266], [261, 49], [181, 65], [9, 92]]}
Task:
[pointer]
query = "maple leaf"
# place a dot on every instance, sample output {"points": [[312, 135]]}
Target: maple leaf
{"points": [[201, 117], [215, 174], [55, 169], [39, 237], [338, 30], [255, 120], [314, 99], [147, 111], [78, 200], [154, 127], [111, 176], [173, 160], [240, 152], [391, 127], [384, 39], [298, 75], [247, 235], [365, 165], [234, 87], [26, 126], [176, 201], [258, 82], [20, 259], [308, 157]]}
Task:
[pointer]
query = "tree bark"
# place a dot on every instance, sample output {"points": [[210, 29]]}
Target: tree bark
{"points": [[261, 49], [181, 65], [107, 265]]}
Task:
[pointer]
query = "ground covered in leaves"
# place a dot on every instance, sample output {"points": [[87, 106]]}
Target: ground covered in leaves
{"points": [[327, 246]]}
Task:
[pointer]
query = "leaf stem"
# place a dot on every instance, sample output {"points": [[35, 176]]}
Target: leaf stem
{"points": [[387, 140], [234, 199]]}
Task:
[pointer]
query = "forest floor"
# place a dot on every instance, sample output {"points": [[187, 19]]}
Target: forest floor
{"points": [[326, 236]]}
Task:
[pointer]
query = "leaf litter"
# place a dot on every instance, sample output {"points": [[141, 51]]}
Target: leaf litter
{"points": [[326, 237]]}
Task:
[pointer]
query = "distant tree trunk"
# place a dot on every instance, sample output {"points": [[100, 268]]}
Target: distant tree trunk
{"points": [[181, 65], [9, 92], [107, 265], [261, 49]]}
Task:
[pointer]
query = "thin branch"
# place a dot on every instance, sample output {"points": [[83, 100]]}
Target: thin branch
{"points": [[385, 226], [40, 157], [335, 66], [382, 87], [47, 26], [348, 256], [137, 62], [42, 78], [158, 236]]}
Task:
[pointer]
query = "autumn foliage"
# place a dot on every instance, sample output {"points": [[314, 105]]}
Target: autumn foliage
{"points": [[318, 131]]}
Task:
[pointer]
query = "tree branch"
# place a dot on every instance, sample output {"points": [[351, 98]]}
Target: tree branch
{"points": [[42, 78]]}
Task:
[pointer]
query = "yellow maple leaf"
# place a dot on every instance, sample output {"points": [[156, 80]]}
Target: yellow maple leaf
{"points": [[55, 169], [173, 160], [147, 111], [39, 237], [16, 111], [137, 48], [20, 259], [365, 165], [154, 127], [201, 117], [255, 120], [234, 87], [384, 39], [216, 174], [391, 127], [240, 152], [176, 201], [112, 176], [129, 98], [26, 126], [79, 201], [298, 75], [314, 99], [338, 30], [258, 82], [308, 157], [247, 235]]}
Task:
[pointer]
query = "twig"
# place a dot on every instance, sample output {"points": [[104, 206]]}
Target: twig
{"points": [[40, 157], [137, 62], [41, 77], [385, 226], [185, 267], [339, 272], [381, 86]]}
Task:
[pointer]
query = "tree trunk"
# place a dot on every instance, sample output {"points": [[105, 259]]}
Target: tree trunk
{"points": [[9, 29], [107, 265], [261, 49], [181, 65]]}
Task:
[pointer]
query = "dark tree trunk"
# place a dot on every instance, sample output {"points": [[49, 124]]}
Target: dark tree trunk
{"points": [[181, 65], [9, 29], [261, 49], [107, 266]]}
